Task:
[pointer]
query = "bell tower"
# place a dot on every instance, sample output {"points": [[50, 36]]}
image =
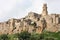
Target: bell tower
{"points": [[44, 10]]}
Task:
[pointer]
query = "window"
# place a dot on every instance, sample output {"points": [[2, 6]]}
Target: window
{"points": [[52, 20], [18, 21], [59, 20], [38, 19], [6, 22], [14, 28]]}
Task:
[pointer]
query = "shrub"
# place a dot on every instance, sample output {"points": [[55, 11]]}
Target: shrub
{"points": [[4, 37]]}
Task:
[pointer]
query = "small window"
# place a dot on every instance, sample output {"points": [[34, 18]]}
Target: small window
{"points": [[52, 20], [18, 21], [38, 19], [23, 18], [6, 22], [59, 20], [14, 28]]}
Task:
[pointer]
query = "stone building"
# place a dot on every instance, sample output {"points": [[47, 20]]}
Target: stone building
{"points": [[33, 22]]}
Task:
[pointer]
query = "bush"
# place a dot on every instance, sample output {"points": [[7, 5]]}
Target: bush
{"points": [[4, 37], [31, 36], [24, 35]]}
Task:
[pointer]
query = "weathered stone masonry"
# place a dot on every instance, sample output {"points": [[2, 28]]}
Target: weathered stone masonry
{"points": [[33, 22]]}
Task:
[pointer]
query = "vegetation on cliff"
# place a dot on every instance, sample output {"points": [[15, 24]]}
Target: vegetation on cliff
{"points": [[31, 36]]}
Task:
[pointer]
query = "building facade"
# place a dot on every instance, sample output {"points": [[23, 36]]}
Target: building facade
{"points": [[33, 22]]}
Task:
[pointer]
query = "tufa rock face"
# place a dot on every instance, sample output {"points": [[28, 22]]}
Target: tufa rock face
{"points": [[33, 22]]}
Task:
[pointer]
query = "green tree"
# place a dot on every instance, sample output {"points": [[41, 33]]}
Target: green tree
{"points": [[12, 36], [35, 36], [4, 37], [24, 35], [49, 38]]}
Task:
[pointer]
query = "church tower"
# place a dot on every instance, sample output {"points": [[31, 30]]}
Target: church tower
{"points": [[44, 10]]}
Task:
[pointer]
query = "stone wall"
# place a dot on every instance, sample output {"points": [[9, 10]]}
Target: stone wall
{"points": [[33, 22]]}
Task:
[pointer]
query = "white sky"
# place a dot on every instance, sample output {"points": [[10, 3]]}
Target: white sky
{"points": [[20, 8]]}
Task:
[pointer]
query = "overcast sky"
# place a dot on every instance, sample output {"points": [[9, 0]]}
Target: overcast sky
{"points": [[20, 8]]}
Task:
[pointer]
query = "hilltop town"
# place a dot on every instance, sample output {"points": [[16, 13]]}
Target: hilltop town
{"points": [[33, 22]]}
